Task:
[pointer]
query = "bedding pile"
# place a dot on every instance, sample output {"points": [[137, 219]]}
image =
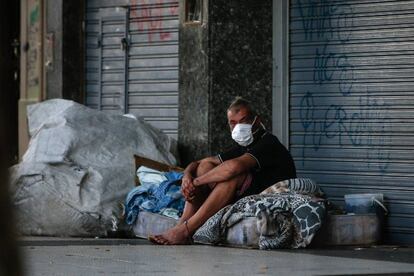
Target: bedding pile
{"points": [[288, 215]]}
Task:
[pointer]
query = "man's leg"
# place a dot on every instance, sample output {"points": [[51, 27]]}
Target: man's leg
{"points": [[201, 194], [222, 194]]}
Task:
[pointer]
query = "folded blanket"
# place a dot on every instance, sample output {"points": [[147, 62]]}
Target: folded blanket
{"points": [[285, 219], [163, 198]]}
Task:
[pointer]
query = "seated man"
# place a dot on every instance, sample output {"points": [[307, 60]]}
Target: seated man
{"points": [[257, 162]]}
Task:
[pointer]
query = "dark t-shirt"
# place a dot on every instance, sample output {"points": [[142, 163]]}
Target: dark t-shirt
{"points": [[274, 162]]}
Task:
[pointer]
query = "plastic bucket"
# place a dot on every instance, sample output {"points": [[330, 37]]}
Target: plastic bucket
{"points": [[365, 204]]}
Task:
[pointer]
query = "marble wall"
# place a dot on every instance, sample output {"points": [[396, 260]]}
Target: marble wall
{"points": [[193, 133], [240, 62], [228, 55]]}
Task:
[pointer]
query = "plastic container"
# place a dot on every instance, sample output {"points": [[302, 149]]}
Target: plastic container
{"points": [[365, 204], [364, 229]]}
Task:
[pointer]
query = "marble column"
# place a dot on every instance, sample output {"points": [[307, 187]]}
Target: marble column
{"points": [[228, 54]]}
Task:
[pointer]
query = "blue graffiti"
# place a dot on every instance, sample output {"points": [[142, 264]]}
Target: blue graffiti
{"points": [[366, 124], [338, 123], [321, 20], [330, 66]]}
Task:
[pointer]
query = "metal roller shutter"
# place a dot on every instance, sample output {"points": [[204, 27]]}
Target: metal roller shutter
{"points": [[132, 59], [352, 101]]}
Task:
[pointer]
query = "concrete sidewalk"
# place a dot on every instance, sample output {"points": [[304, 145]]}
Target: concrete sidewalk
{"points": [[56, 256]]}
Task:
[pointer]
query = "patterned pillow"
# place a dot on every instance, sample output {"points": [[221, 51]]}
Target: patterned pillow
{"points": [[299, 185]]}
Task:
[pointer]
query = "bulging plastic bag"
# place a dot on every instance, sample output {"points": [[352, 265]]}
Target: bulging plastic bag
{"points": [[79, 167]]}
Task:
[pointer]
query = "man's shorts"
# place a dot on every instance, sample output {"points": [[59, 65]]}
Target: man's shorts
{"points": [[245, 185]]}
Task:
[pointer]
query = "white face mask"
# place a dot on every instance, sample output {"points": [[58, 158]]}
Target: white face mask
{"points": [[242, 134]]}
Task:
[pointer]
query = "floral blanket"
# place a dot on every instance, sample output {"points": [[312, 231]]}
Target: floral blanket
{"points": [[285, 218]]}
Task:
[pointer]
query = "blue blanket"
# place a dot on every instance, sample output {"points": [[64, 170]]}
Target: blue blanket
{"points": [[155, 198]]}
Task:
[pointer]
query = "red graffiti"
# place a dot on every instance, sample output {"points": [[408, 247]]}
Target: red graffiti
{"points": [[174, 10], [148, 18]]}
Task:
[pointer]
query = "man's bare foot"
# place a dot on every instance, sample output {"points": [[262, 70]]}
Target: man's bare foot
{"points": [[174, 236]]}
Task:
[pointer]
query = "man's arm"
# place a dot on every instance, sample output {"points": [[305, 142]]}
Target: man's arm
{"points": [[190, 172], [227, 170]]}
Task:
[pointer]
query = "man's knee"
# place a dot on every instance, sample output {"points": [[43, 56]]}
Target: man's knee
{"points": [[204, 167]]}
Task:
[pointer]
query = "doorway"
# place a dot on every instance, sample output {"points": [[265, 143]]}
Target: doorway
{"points": [[9, 75]]}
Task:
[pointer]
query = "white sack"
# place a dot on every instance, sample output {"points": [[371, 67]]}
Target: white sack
{"points": [[79, 167]]}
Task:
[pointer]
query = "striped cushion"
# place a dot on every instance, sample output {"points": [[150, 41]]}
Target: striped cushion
{"points": [[299, 185]]}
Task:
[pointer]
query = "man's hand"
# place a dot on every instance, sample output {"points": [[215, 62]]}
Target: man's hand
{"points": [[187, 187]]}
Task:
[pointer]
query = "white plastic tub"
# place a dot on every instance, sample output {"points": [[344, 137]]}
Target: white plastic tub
{"points": [[364, 203]]}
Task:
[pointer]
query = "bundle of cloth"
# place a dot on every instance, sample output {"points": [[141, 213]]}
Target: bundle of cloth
{"points": [[288, 215], [159, 192]]}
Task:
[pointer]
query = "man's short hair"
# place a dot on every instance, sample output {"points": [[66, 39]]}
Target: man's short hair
{"points": [[239, 103]]}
